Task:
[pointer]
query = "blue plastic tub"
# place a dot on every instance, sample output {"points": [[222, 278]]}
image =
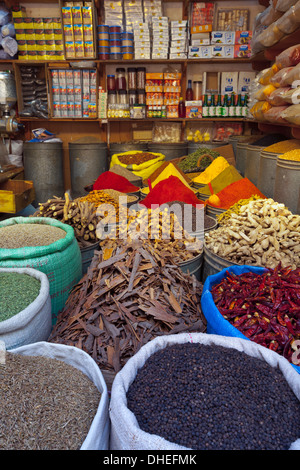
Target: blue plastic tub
{"points": [[216, 323]]}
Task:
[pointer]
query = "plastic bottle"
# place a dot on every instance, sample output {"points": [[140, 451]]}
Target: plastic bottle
{"points": [[189, 96], [181, 108]]}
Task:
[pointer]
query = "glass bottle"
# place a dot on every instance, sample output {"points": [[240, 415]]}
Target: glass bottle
{"points": [[239, 106], [120, 79], [212, 108], [189, 96], [219, 106], [181, 108], [205, 107], [225, 107], [232, 106]]}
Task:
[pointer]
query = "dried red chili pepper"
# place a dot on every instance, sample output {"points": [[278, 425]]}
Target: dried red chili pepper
{"points": [[264, 307]]}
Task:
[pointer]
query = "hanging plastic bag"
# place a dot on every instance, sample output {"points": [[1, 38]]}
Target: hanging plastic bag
{"points": [[292, 78], [289, 22], [284, 5], [259, 109], [264, 92], [291, 95]]}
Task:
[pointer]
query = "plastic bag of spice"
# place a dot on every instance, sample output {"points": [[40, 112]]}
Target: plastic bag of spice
{"points": [[32, 323], [126, 433], [216, 323], [98, 435], [141, 163]]}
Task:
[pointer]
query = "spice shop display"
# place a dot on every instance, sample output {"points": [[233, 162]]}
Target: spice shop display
{"points": [[74, 93], [65, 417], [111, 180], [231, 194], [262, 306], [142, 299], [38, 38], [224, 376], [78, 30], [189, 164], [263, 233]]}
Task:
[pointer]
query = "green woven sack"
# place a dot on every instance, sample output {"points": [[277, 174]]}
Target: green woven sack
{"points": [[61, 260]]}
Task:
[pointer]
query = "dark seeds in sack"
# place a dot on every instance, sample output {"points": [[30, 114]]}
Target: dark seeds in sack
{"points": [[214, 398]]}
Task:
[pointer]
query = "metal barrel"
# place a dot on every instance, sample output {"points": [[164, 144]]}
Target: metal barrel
{"points": [[43, 164], [213, 264], [193, 266], [171, 150], [214, 211], [87, 162], [252, 163], [87, 254], [287, 184], [193, 146], [267, 171]]}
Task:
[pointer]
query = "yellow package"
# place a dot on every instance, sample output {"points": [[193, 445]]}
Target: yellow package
{"points": [[68, 32], [70, 49], [144, 170], [88, 32], [39, 34], [67, 15], [264, 92], [79, 48], [78, 32], [89, 49], [76, 14], [87, 14], [259, 109]]}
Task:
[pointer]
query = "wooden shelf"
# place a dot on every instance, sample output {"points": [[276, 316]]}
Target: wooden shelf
{"points": [[286, 128], [65, 63], [32, 119]]}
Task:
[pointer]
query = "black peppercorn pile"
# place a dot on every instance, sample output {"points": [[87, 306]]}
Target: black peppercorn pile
{"points": [[214, 398]]}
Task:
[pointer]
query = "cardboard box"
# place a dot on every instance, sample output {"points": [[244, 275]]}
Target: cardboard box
{"points": [[205, 28], [222, 52], [193, 109], [242, 51], [223, 37], [229, 82], [243, 37], [245, 78], [200, 52]]}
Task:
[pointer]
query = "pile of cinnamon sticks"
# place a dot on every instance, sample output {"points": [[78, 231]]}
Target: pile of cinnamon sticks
{"points": [[81, 215], [130, 295]]}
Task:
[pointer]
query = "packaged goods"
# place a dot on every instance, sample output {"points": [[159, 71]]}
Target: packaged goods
{"points": [[292, 77], [278, 97], [292, 114], [280, 78], [259, 108], [289, 57], [275, 114]]}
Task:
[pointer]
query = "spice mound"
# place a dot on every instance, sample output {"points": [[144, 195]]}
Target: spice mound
{"points": [[131, 293], [209, 397], [110, 180], [291, 155], [189, 164], [17, 291], [263, 233], [136, 158], [46, 404], [264, 307], [20, 235]]}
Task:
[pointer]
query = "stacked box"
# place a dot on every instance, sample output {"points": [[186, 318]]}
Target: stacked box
{"points": [[142, 44], [38, 38], [102, 104], [202, 14], [179, 39], [133, 14], [160, 37], [74, 93], [152, 8], [113, 12], [78, 30]]}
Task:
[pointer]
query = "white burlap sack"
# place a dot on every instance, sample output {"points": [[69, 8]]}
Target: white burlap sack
{"points": [[125, 431], [98, 435], [34, 322]]}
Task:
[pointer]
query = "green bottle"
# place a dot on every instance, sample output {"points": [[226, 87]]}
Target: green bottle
{"points": [[232, 106], [225, 110], [239, 107], [205, 107], [219, 107], [212, 108]]}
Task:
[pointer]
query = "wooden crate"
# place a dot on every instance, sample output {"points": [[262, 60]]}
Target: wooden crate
{"points": [[15, 195]]}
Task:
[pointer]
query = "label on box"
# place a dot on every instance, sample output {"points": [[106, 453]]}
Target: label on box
{"points": [[223, 37], [225, 52], [242, 51], [206, 28], [200, 52], [243, 37]]}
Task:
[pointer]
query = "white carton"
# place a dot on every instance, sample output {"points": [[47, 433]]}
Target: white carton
{"points": [[245, 78], [222, 52], [229, 82], [223, 37], [199, 52]]}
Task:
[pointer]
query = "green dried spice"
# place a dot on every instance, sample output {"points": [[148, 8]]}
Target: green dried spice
{"points": [[17, 291], [190, 162]]}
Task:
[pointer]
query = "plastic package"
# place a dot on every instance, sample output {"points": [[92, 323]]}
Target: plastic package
{"points": [[284, 5], [274, 114], [259, 109], [289, 57], [269, 16], [276, 98], [288, 23], [166, 132], [263, 92], [279, 78], [8, 30], [292, 114], [265, 75], [5, 15], [270, 36], [292, 76], [291, 95]]}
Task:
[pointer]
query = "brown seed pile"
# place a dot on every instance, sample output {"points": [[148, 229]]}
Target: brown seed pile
{"points": [[19, 235], [45, 404]]}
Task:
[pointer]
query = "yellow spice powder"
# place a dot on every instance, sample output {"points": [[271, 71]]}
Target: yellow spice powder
{"points": [[284, 146], [213, 170], [291, 155]]}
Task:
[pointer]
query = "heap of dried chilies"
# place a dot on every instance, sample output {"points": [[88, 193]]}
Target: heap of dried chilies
{"points": [[264, 307], [129, 295]]}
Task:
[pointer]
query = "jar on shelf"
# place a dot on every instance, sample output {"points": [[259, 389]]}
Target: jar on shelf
{"points": [[141, 97], [132, 97], [112, 97], [141, 78], [111, 83], [122, 97], [132, 77], [121, 79]]}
